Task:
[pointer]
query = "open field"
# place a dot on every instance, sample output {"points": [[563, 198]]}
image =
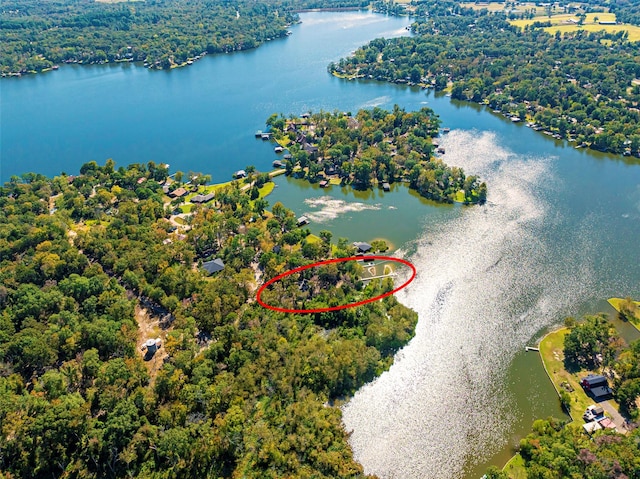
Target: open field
{"points": [[634, 32], [568, 19]]}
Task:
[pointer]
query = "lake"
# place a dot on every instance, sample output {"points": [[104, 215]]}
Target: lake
{"points": [[558, 235]]}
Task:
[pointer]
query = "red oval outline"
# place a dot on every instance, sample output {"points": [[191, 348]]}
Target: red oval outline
{"points": [[329, 261]]}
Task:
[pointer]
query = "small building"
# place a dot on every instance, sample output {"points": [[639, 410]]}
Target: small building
{"points": [[303, 220], [141, 180], [240, 174], [607, 423], [213, 266], [277, 164], [386, 186], [591, 427], [265, 136], [362, 247], [202, 198], [323, 184], [165, 189], [278, 149], [151, 346], [596, 385], [178, 193]]}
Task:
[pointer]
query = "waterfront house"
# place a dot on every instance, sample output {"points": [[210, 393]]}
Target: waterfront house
{"points": [[202, 198], [213, 266], [178, 193], [386, 186], [596, 385], [362, 247]]}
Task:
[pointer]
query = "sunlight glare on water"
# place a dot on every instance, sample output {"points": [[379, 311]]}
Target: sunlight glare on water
{"points": [[485, 286]]}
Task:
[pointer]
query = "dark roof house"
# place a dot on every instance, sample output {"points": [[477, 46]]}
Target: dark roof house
{"points": [[213, 266], [596, 385], [362, 247]]}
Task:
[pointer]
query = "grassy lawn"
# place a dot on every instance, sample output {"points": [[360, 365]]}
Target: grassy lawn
{"points": [[515, 468], [186, 208], [313, 239], [551, 351], [266, 189]]}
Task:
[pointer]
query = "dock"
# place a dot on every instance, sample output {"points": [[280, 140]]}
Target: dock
{"points": [[531, 348]]}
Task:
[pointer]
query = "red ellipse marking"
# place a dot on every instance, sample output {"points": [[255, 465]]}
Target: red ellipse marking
{"points": [[329, 261]]}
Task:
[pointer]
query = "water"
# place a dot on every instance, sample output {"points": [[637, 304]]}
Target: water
{"points": [[559, 233]]}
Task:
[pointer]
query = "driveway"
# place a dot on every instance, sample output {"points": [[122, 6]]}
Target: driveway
{"points": [[618, 420]]}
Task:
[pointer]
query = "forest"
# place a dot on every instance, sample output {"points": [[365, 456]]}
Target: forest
{"points": [[374, 147], [579, 86], [94, 265], [37, 35]]}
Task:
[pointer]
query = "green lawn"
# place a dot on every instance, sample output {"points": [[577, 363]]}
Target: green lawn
{"points": [[515, 468], [266, 189]]}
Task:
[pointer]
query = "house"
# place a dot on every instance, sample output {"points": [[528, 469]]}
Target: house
{"points": [[202, 198], [141, 180], [240, 174], [178, 193], [386, 186], [323, 184], [213, 266], [303, 220], [362, 247], [596, 385]]}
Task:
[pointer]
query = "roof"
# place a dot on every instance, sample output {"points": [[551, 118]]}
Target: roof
{"points": [[600, 391], [361, 246], [591, 427], [202, 198], [213, 266], [178, 192], [607, 423], [594, 380]]}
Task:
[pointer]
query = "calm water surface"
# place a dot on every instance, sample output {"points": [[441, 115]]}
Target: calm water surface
{"points": [[559, 233]]}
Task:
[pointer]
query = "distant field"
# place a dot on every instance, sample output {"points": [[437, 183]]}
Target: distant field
{"points": [[634, 32], [565, 19], [562, 23]]}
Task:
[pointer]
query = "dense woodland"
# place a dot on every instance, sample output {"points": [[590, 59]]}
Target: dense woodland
{"points": [[35, 34], [234, 390], [576, 86], [373, 147]]}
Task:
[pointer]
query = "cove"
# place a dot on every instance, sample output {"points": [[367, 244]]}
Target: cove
{"points": [[558, 234]]}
